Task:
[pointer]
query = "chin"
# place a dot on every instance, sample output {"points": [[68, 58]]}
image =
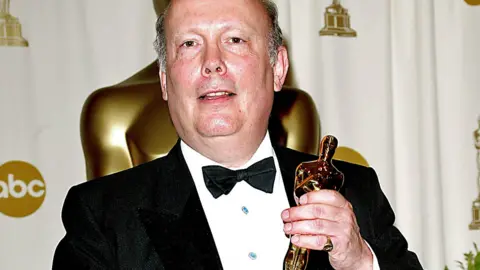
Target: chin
{"points": [[217, 132], [217, 128]]}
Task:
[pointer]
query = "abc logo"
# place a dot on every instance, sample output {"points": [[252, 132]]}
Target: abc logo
{"points": [[473, 2], [22, 189]]}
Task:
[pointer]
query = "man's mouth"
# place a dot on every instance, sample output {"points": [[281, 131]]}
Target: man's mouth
{"points": [[215, 95]]}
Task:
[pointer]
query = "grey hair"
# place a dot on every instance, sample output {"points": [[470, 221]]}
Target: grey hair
{"points": [[275, 37]]}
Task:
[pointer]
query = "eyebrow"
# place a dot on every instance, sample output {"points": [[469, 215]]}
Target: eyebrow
{"points": [[224, 26]]}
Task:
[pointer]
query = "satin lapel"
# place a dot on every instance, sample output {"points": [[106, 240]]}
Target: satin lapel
{"points": [[288, 161], [287, 168], [177, 225]]}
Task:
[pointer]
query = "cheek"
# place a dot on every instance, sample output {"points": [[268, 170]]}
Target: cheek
{"points": [[182, 74], [248, 71], [255, 79], [181, 90]]}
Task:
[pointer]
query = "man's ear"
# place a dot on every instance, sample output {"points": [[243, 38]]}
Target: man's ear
{"points": [[280, 68], [163, 83]]}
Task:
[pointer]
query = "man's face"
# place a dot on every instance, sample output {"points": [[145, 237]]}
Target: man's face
{"points": [[219, 81]]}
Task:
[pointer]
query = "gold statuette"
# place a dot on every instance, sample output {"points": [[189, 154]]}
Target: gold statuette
{"points": [[312, 176], [337, 21], [475, 225], [10, 27]]}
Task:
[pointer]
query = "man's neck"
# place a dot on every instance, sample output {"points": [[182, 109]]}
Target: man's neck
{"points": [[230, 152]]}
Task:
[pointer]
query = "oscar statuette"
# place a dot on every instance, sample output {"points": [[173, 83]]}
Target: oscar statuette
{"points": [[311, 176], [337, 21], [10, 27], [475, 225]]}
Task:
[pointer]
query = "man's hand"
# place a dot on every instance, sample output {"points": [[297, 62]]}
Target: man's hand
{"points": [[327, 213]]}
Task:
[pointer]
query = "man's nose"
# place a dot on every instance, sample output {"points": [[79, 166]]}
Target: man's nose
{"points": [[213, 62]]}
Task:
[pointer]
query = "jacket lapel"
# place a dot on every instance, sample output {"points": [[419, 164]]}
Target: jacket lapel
{"points": [[177, 225], [287, 169]]}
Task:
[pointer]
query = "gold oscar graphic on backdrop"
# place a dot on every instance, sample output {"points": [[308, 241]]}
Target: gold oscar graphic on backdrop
{"points": [[337, 21], [10, 27], [350, 155], [473, 2], [475, 225], [22, 189]]}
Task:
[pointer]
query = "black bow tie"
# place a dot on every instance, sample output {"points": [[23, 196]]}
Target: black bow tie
{"points": [[220, 180]]}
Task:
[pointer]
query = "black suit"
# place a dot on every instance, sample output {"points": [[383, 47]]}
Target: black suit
{"points": [[150, 217]]}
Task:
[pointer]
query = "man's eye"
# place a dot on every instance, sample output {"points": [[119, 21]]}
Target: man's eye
{"points": [[236, 40], [189, 43]]}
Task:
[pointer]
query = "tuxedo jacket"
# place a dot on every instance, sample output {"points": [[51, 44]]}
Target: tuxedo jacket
{"points": [[151, 217]]}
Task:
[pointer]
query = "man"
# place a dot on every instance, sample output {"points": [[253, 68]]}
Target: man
{"points": [[220, 63]]}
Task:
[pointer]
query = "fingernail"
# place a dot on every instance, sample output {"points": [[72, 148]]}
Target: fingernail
{"points": [[303, 199], [285, 214], [295, 239], [287, 227]]}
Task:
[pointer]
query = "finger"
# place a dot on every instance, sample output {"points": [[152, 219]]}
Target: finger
{"points": [[325, 196], [314, 211], [317, 226], [315, 242]]}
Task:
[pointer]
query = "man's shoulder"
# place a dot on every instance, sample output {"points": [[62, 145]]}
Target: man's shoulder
{"points": [[297, 156], [357, 177], [130, 185]]}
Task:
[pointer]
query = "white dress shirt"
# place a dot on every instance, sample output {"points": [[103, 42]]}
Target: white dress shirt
{"points": [[245, 224]]}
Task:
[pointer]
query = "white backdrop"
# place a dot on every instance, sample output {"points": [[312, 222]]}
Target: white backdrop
{"points": [[405, 93]]}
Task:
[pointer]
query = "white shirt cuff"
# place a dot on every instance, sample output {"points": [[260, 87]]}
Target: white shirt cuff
{"points": [[375, 261]]}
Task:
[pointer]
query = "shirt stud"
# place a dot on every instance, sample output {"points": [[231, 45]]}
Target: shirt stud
{"points": [[252, 255], [245, 210]]}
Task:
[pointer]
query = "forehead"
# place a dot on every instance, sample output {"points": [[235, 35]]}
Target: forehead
{"points": [[184, 15]]}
